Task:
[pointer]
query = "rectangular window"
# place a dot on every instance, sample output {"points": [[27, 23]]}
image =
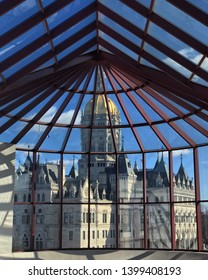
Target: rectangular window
{"points": [[70, 235], [93, 234], [71, 218], [104, 218], [65, 218], [103, 234], [83, 218], [83, 235], [97, 234]]}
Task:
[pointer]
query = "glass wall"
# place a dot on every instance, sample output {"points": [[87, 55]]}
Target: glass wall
{"points": [[134, 200]]}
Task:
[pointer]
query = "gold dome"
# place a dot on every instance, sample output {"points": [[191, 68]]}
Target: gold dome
{"points": [[101, 106]]}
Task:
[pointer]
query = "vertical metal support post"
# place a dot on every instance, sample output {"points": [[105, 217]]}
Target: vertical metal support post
{"points": [[197, 190], [172, 212]]}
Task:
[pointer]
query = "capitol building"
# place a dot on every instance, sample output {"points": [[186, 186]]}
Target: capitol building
{"points": [[101, 202]]}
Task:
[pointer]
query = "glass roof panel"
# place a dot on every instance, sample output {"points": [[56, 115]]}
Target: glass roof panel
{"points": [[48, 63], [118, 7], [194, 134], [35, 109], [173, 138], [198, 80], [146, 3], [118, 45], [47, 2], [57, 133], [147, 63], [32, 136], [181, 20], [113, 97], [120, 29], [135, 115], [204, 64], [67, 114], [8, 135], [17, 15], [81, 24], [130, 142], [27, 60], [76, 45], [148, 110], [163, 108], [67, 12], [202, 4], [174, 43], [74, 140], [200, 121], [149, 138], [167, 60], [20, 42]]}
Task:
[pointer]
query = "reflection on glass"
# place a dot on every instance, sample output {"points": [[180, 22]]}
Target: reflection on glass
{"points": [[185, 226], [159, 234], [131, 226]]}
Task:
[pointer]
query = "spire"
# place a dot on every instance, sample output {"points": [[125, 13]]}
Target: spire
{"points": [[73, 172], [181, 159], [136, 169], [99, 83], [122, 144]]}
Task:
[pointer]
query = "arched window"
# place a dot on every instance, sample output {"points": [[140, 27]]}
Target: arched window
{"points": [[39, 242], [29, 197], [24, 198], [25, 242], [15, 198], [38, 197], [43, 197]]}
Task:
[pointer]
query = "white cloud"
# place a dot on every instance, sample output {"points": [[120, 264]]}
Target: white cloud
{"points": [[179, 152]]}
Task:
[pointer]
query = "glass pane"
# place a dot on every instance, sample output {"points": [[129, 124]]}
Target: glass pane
{"points": [[130, 178], [57, 133], [78, 140], [102, 178], [128, 141], [193, 133], [126, 12], [203, 171], [67, 12], [21, 41], [102, 219], [202, 4], [159, 229], [174, 43], [157, 177], [183, 179], [17, 15], [120, 29], [204, 224], [118, 45], [148, 137], [181, 20], [167, 60], [47, 227], [74, 228], [173, 138], [131, 226], [185, 226], [22, 225]]}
